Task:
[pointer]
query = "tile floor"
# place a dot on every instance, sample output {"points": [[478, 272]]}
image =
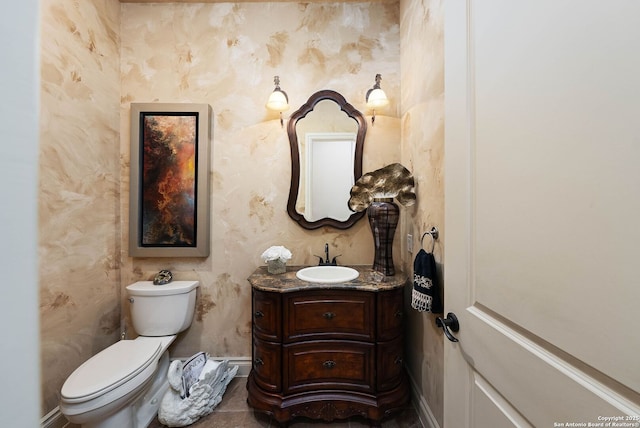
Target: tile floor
{"points": [[233, 412]]}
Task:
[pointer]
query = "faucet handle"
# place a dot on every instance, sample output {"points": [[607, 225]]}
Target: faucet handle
{"points": [[333, 262], [321, 262]]}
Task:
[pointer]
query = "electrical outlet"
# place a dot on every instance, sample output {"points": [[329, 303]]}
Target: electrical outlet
{"points": [[409, 242]]}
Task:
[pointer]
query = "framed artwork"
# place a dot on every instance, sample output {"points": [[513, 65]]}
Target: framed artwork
{"points": [[169, 190]]}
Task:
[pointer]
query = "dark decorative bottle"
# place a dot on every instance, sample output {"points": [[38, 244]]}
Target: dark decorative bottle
{"points": [[383, 216]]}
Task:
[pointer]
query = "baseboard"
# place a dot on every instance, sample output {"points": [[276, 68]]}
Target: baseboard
{"points": [[243, 363], [427, 419], [54, 419]]}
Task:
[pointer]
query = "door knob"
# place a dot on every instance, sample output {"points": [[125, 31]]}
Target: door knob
{"points": [[450, 322]]}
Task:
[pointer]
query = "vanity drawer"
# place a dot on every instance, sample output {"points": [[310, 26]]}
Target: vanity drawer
{"points": [[390, 364], [266, 365], [333, 314], [328, 365], [390, 314], [266, 315]]}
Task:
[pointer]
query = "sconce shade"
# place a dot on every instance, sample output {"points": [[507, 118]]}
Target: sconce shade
{"points": [[377, 99], [278, 101]]}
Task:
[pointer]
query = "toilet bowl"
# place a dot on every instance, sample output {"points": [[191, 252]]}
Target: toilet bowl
{"points": [[98, 393], [121, 387]]}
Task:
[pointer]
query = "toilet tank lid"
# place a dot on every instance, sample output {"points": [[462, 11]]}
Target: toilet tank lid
{"points": [[147, 288]]}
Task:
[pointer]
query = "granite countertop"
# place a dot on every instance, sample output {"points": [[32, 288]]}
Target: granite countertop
{"points": [[369, 280]]}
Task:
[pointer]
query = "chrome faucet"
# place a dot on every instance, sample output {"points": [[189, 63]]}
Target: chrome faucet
{"points": [[326, 261]]}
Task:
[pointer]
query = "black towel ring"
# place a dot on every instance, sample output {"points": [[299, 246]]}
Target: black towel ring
{"points": [[434, 235]]}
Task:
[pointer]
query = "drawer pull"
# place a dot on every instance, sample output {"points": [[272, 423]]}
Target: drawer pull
{"points": [[398, 314], [258, 362], [398, 360], [329, 364], [329, 315], [258, 314]]}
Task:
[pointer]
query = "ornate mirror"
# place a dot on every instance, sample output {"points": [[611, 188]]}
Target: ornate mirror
{"points": [[326, 136]]}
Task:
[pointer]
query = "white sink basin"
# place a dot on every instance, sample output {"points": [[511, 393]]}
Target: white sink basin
{"points": [[327, 274]]}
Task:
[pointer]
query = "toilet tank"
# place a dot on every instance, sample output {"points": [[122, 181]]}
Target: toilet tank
{"points": [[162, 310]]}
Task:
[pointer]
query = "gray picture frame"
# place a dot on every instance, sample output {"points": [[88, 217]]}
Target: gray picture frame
{"points": [[169, 194]]}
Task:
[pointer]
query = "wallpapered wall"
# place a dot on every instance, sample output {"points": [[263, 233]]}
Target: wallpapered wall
{"points": [[79, 195], [98, 57], [226, 55], [422, 129]]}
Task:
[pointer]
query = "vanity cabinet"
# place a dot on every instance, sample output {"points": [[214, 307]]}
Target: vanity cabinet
{"points": [[327, 352]]}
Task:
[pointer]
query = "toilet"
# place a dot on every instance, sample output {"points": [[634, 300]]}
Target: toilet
{"points": [[121, 387]]}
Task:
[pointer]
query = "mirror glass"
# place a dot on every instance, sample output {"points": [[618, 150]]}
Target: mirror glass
{"points": [[326, 136]]}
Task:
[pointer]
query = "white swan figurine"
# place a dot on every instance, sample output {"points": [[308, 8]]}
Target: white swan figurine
{"points": [[203, 397]]}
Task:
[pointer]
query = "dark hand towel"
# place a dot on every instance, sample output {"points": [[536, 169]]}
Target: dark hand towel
{"points": [[425, 296]]}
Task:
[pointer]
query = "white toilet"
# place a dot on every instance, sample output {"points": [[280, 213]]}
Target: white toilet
{"points": [[121, 387]]}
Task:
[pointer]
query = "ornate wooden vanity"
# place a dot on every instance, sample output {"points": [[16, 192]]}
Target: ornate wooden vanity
{"points": [[327, 351]]}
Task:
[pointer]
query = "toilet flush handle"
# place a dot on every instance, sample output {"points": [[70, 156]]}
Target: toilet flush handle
{"points": [[130, 299]]}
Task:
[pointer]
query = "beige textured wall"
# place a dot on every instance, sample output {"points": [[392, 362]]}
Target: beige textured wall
{"points": [[79, 198], [98, 57], [226, 55], [422, 100]]}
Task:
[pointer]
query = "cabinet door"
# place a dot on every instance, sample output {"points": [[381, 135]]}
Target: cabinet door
{"points": [[390, 314], [389, 364], [266, 315], [339, 364], [267, 365], [333, 314]]}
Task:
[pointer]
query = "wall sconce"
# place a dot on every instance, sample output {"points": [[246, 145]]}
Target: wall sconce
{"points": [[376, 98], [278, 100]]}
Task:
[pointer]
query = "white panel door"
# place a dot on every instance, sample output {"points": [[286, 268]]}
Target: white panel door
{"points": [[330, 159], [542, 213]]}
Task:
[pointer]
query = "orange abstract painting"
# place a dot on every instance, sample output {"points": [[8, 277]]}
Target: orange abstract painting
{"points": [[168, 173]]}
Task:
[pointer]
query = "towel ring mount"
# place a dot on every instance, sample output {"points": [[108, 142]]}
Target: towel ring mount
{"points": [[434, 233]]}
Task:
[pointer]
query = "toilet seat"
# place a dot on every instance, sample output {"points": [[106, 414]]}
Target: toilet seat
{"points": [[112, 368]]}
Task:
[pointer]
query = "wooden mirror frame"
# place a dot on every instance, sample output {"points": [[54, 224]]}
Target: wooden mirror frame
{"points": [[295, 158]]}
